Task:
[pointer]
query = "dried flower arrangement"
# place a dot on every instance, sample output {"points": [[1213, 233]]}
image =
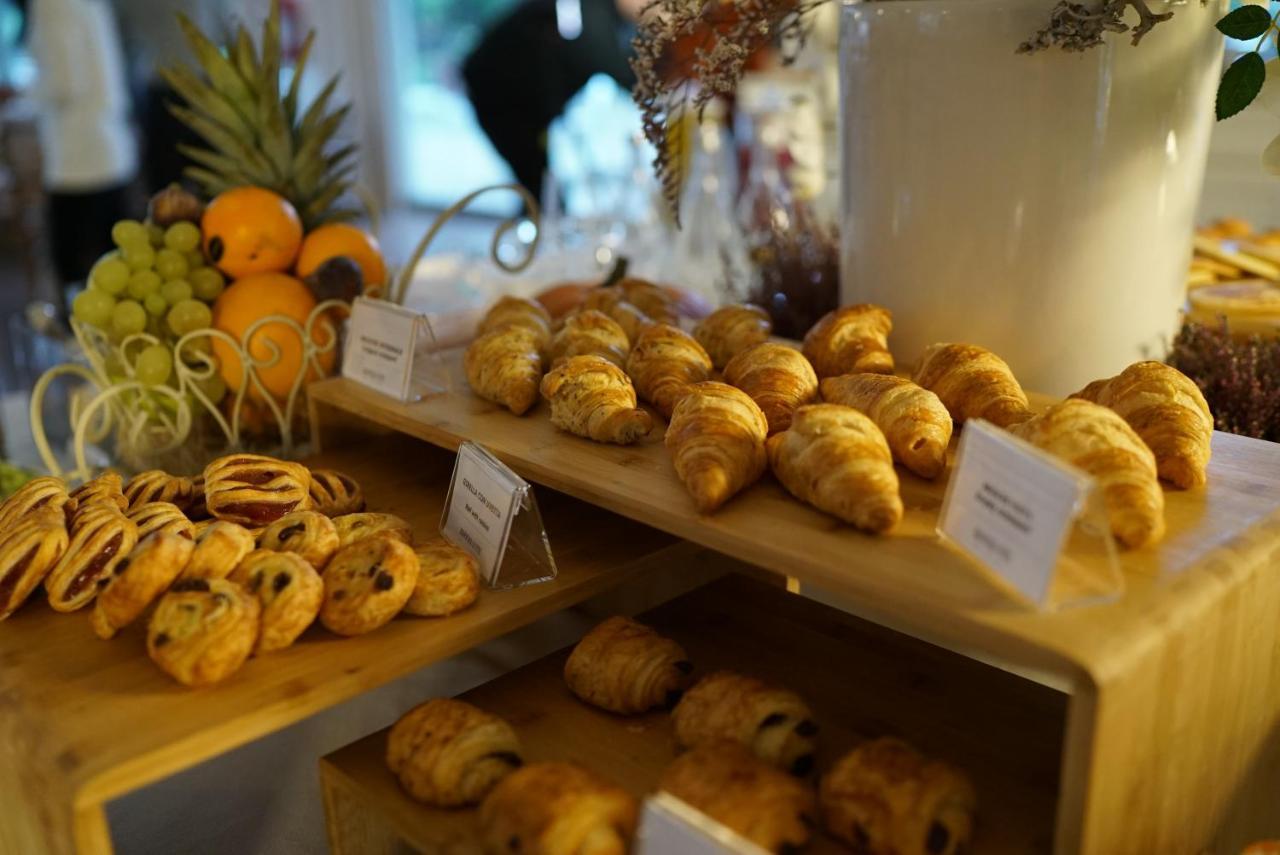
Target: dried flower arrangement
{"points": [[1240, 378]]}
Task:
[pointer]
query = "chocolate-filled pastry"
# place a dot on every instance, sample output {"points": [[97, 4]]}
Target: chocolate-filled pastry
{"points": [[448, 580], [288, 589], [972, 383], [104, 491], [144, 574], [518, 312], [153, 517], [35, 494], [731, 785], [915, 423], [100, 539], [156, 485], [354, 527], [30, 546], [664, 364], [885, 798], [591, 333], [254, 490], [220, 546], [367, 584], [594, 398], [729, 330], [625, 667], [773, 722], [203, 630], [557, 809], [504, 366], [777, 377], [335, 493], [851, 340], [447, 753], [310, 534], [716, 440]]}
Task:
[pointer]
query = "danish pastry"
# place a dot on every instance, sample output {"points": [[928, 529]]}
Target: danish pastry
{"points": [[591, 333], [448, 753], [664, 365], [105, 490], [203, 630], [219, 547], [33, 495], [504, 366], [137, 580], [972, 383], [773, 722], [448, 580], [310, 534], [366, 584], [729, 330], [851, 340], [353, 527], [625, 667], [614, 303], [334, 493], [30, 547], [155, 485], [778, 378], [593, 398], [914, 422], [254, 490], [716, 441], [885, 798], [518, 312], [288, 589], [100, 539], [161, 516], [557, 809]]}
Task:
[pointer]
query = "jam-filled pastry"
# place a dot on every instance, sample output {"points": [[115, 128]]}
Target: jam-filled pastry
{"points": [[196, 508], [557, 809], [591, 333], [664, 364], [626, 667], [716, 440], [367, 584], [104, 491], [100, 539], [504, 366], [777, 377], [773, 722], [335, 493], [29, 548], [35, 494], [254, 490], [518, 312], [731, 785], [885, 798], [289, 590], [135, 582], [220, 547], [447, 753], [353, 527], [729, 330], [156, 485], [310, 534], [594, 398], [972, 383], [203, 630], [161, 516], [851, 340], [448, 580]]}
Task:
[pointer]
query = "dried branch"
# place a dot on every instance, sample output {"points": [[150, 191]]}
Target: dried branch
{"points": [[1079, 27]]}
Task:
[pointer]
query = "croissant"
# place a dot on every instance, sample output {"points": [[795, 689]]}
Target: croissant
{"points": [[664, 365], [851, 340], [504, 366], [773, 722], [654, 300], [625, 667], [778, 378], [716, 440], [885, 798], [592, 397], [448, 753], [972, 383], [836, 459], [727, 783], [1168, 411], [557, 809], [729, 330], [591, 333], [1096, 440], [518, 312], [915, 424], [613, 303]]}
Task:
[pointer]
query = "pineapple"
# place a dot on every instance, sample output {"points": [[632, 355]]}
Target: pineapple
{"points": [[254, 136]]}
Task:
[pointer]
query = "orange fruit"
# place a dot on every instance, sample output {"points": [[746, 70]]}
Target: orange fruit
{"points": [[247, 301], [250, 230], [325, 242]]}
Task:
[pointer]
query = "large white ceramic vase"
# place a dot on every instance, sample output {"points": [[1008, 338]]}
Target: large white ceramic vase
{"points": [[1038, 205]]}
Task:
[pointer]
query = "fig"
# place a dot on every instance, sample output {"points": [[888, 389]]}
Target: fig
{"points": [[174, 204]]}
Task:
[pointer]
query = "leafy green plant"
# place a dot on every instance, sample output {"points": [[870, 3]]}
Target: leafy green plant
{"points": [[1243, 79]]}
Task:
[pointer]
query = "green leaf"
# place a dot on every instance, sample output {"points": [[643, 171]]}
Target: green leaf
{"points": [[1246, 22], [1240, 84]]}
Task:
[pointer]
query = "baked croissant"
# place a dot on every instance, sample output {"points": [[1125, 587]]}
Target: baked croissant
{"points": [[716, 440], [625, 667], [557, 809], [448, 753], [729, 330], [614, 303], [592, 397], [972, 383], [836, 459], [851, 340], [591, 333], [885, 798], [915, 424], [729, 784], [664, 364], [1099, 442], [518, 312], [654, 300], [778, 378], [504, 366], [1166, 409], [773, 722]]}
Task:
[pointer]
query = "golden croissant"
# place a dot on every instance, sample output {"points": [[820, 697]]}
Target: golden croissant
{"points": [[592, 397], [729, 330], [1166, 409], [915, 424], [654, 300], [972, 383], [777, 377], [505, 366], [851, 340], [591, 333], [664, 365], [614, 303], [1099, 442], [518, 312], [716, 440]]}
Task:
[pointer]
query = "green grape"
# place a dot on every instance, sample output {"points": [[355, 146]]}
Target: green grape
{"points": [[129, 233], [128, 317], [175, 291], [189, 316], [139, 257], [195, 259], [154, 365], [156, 305], [214, 388], [142, 283], [182, 236], [110, 275], [93, 308], [155, 234], [171, 264], [207, 283]]}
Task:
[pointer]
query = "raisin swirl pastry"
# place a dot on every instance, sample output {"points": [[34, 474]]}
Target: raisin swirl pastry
{"points": [[134, 584], [448, 580], [101, 537], [355, 527], [155, 485], [625, 667], [557, 809], [773, 722], [334, 493], [885, 798], [30, 546], [203, 630], [45, 492], [311, 535], [103, 491], [288, 589], [448, 753], [254, 490], [367, 584], [220, 546], [161, 516]]}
